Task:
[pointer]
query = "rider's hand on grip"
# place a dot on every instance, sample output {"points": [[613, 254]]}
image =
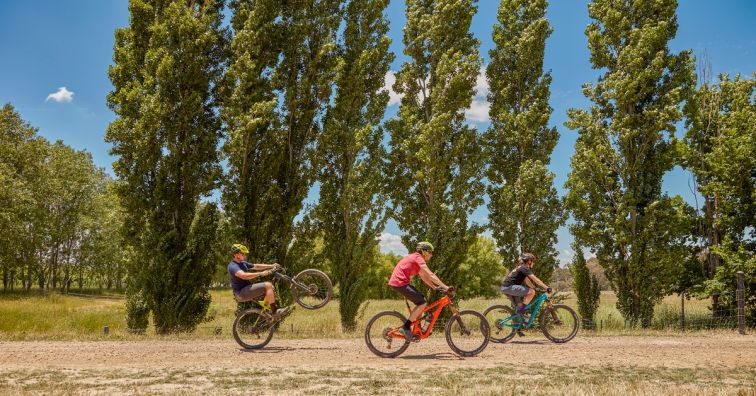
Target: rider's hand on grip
{"points": [[441, 289], [265, 273], [549, 290]]}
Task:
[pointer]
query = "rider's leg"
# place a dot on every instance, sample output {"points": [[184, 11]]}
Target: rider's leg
{"points": [[416, 312], [529, 296], [270, 296]]}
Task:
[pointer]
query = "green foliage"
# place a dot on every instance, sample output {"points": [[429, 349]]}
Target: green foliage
{"points": [[482, 269], [351, 211], [724, 282], [282, 64], [625, 145], [167, 64], [586, 289], [719, 149], [525, 210], [435, 163], [60, 224]]}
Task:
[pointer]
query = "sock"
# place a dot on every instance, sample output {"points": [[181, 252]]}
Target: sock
{"points": [[521, 309], [407, 324]]}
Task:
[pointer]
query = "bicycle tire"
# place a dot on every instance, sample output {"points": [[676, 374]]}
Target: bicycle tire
{"points": [[458, 320], [499, 334], [547, 318], [400, 319], [252, 330], [321, 292]]}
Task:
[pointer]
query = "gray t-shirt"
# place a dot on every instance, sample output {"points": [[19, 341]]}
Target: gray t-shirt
{"points": [[517, 276]]}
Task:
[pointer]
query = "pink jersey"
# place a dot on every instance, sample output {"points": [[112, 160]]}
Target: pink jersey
{"points": [[407, 267]]}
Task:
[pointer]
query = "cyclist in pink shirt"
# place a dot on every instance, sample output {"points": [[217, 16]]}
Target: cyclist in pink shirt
{"points": [[411, 265]]}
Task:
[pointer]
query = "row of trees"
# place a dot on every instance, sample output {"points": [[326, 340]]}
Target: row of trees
{"points": [[652, 244], [290, 98], [293, 91], [295, 87], [59, 215]]}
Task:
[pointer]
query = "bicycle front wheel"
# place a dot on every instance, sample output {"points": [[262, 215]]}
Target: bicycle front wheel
{"points": [[467, 333], [312, 289], [501, 321], [252, 329], [382, 336], [559, 323]]}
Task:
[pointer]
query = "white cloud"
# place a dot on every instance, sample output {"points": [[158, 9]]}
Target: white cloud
{"points": [[478, 111], [388, 83], [62, 96], [481, 84], [479, 108], [392, 243]]}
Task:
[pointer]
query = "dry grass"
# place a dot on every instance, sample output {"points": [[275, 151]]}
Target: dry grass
{"points": [[54, 316], [514, 380]]}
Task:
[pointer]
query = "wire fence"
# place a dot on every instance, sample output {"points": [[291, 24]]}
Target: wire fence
{"points": [[686, 315]]}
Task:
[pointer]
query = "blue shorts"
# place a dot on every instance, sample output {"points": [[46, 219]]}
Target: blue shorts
{"points": [[516, 292]]}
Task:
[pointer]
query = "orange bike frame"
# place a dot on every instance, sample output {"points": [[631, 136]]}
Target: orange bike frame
{"points": [[438, 305]]}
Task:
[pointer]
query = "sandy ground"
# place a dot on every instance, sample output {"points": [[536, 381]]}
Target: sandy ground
{"points": [[723, 351], [719, 364]]}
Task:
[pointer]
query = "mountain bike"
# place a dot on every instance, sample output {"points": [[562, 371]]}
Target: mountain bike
{"points": [[558, 322], [253, 328], [466, 331]]}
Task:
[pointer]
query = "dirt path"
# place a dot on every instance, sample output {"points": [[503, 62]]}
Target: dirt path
{"points": [[677, 365], [673, 352]]}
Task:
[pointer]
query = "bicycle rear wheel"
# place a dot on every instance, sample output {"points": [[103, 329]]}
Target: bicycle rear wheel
{"points": [[252, 329], [311, 288], [380, 334], [467, 333], [501, 321], [559, 323]]}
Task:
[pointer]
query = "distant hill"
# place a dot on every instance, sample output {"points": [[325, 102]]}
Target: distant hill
{"points": [[562, 278]]}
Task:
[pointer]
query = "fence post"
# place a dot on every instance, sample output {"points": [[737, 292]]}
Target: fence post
{"points": [[682, 313], [740, 297]]}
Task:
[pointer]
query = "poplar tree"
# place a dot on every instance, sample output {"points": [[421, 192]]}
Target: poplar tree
{"points": [[282, 62], [586, 288], [524, 208], [167, 63], [351, 211], [719, 148], [625, 145], [435, 163]]}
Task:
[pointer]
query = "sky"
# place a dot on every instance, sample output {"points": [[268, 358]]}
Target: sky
{"points": [[55, 57]]}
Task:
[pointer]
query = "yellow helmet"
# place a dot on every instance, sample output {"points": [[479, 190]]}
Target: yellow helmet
{"points": [[239, 248]]}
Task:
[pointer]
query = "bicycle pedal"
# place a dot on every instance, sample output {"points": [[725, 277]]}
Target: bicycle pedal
{"points": [[520, 333]]}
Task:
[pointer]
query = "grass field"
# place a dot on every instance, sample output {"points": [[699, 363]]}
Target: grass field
{"points": [[53, 316]]}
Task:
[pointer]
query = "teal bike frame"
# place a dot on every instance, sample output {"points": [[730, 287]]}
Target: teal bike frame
{"points": [[534, 306]]}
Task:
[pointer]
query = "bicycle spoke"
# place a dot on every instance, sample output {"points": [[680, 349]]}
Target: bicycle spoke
{"points": [[382, 337], [559, 324], [467, 333]]}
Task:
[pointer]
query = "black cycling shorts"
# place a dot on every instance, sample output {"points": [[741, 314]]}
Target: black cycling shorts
{"points": [[411, 293]]}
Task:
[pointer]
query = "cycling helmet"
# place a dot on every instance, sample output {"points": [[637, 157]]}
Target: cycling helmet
{"points": [[239, 248], [426, 246]]}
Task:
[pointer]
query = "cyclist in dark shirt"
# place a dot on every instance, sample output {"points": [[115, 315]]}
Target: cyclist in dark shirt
{"points": [[523, 273], [240, 276]]}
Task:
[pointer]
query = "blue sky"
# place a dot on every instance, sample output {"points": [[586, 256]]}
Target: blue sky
{"points": [[46, 45]]}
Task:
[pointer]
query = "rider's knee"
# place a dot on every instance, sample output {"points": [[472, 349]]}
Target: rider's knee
{"points": [[531, 292], [268, 285]]}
